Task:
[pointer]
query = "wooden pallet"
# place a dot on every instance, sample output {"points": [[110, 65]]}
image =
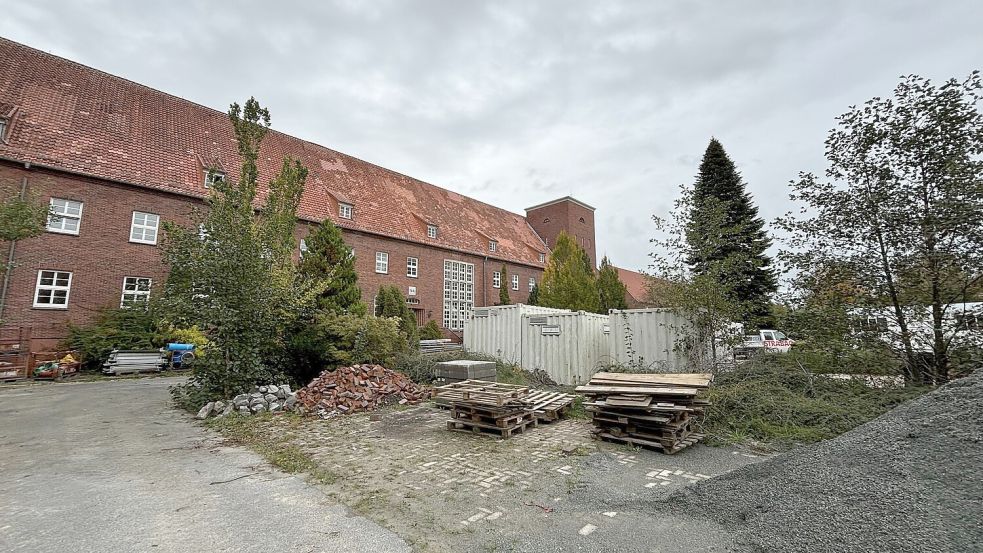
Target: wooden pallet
{"points": [[500, 420], [548, 406], [481, 428], [668, 449], [482, 392]]}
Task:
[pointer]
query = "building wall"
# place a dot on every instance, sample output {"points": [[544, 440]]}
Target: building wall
{"points": [[565, 215], [100, 256]]}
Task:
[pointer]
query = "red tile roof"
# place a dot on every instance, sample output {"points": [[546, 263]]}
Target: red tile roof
{"points": [[71, 117], [636, 283]]}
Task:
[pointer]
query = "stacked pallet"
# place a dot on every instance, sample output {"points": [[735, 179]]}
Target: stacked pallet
{"points": [[548, 406], [652, 410], [487, 407]]}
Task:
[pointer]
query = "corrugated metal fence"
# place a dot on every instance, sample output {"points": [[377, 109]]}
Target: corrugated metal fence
{"points": [[497, 330], [568, 346], [571, 346]]}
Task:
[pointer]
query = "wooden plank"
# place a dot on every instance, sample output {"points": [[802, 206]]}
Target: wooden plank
{"points": [[701, 380], [651, 390]]}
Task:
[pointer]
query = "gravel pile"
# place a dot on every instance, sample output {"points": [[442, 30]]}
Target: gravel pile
{"points": [[910, 480]]}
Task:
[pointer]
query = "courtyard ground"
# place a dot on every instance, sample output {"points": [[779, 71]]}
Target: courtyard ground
{"points": [[550, 489]]}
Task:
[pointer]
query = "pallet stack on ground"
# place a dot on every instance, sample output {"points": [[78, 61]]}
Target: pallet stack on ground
{"points": [[478, 406], [652, 410], [548, 406]]}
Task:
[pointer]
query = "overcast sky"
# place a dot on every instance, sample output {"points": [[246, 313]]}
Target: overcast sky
{"points": [[516, 103]]}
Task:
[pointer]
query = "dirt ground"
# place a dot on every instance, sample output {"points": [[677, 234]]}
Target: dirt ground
{"points": [[552, 488]]}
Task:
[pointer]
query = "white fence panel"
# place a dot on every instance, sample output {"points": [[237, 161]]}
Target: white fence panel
{"points": [[496, 330], [569, 347], [649, 338]]}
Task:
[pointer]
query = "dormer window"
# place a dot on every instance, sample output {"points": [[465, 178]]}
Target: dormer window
{"points": [[213, 177], [431, 231], [493, 245], [345, 211], [3, 127], [542, 258]]}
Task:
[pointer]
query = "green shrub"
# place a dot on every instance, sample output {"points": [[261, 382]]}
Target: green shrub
{"points": [[431, 331], [114, 329], [337, 340]]}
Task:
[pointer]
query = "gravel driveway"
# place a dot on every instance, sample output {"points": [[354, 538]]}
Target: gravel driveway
{"points": [[109, 466]]}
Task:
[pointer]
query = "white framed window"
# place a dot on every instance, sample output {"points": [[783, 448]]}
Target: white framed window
{"points": [[496, 279], [52, 289], [302, 247], [382, 262], [65, 216], [411, 291], [542, 258], [458, 293], [136, 291], [213, 177], [412, 264], [493, 245], [431, 231], [345, 211], [515, 282], [3, 127], [532, 283], [143, 228]]}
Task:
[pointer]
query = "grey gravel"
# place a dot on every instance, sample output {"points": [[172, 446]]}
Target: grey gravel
{"points": [[911, 480]]}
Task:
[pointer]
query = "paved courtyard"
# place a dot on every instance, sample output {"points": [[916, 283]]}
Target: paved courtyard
{"points": [[109, 466]]}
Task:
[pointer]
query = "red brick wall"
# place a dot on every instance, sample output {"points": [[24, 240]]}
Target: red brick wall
{"points": [[101, 254], [565, 215]]}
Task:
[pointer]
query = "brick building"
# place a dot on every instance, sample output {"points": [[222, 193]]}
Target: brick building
{"points": [[115, 159]]}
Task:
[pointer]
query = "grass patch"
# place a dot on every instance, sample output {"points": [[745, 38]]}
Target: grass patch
{"points": [[577, 410], [253, 432], [780, 405]]}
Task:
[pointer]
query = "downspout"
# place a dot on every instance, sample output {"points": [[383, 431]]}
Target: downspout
{"points": [[484, 284], [10, 258]]}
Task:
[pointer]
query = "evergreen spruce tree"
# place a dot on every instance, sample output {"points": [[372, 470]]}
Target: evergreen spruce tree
{"points": [[727, 237], [610, 288], [503, 290], [329, 260], [569, 282], [533, 296], [391, 303]]}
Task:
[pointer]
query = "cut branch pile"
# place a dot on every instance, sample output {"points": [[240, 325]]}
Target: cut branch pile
{"points": [[358, 388], [652, 410]]}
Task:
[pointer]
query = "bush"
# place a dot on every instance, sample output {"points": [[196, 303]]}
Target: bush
{"points": [[773, 399], [114, 329], [337, 340], [431, 331]]}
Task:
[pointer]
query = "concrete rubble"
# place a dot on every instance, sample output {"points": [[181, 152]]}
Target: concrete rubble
{"points": [[272, 398]]}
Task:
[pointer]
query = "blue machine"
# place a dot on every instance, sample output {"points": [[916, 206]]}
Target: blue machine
{"points": [[182, 355]]}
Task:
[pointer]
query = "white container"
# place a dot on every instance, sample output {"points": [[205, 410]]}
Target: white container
{"points": [[569, 346], [495, 330], [652, 339]]}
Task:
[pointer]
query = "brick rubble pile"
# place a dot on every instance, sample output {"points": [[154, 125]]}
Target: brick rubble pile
{"points": [[358, 388]]}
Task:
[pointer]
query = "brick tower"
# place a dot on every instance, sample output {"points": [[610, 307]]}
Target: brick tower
{"points": [[573, 216]]}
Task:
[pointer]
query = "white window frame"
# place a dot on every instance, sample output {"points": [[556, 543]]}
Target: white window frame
{"points": [[135, 292], [58, 216], [431, 231], [412, 267], [515, 283], [4, 125], [346, 211], [542, 258], [53, 287], [497, 279], [302, 247], [458, 293], [213, 176], [411, 291], [144, 227], [382, 263], [532, 283], [493, 245]]}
